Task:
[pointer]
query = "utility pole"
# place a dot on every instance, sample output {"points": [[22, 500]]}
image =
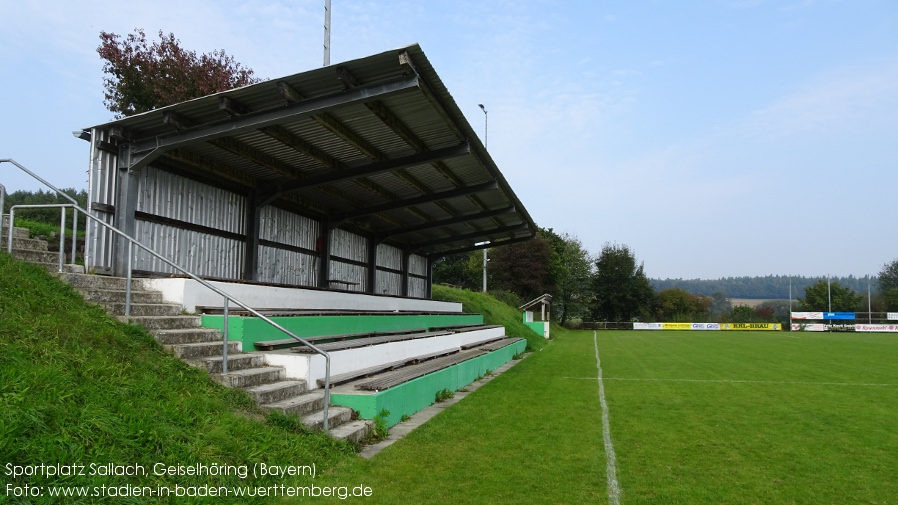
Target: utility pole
{"points": [[485, 142], [327, 32]]}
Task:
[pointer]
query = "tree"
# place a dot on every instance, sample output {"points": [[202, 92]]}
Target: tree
{"points": [[817, 297], [679, 305], [720, 306], [462, 269], [620, 288], [888, 285], [140, 77], [572, 270], [524, 268]]}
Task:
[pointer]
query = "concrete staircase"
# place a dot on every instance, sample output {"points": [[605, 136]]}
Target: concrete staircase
{"points": [[182, 336], [33, 250]]}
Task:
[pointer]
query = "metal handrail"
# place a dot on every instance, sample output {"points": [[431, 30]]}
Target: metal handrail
{"points": [[132, 242]]}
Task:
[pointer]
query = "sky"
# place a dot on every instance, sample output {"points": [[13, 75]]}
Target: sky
{"points": [[714, 138]]}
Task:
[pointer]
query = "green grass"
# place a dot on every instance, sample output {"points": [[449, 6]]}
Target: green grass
{"points": [[528, 436], [731, 417], [695, 417], [494, 312], [77, 387]]}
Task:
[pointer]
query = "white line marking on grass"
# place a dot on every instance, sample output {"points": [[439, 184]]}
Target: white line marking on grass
{"points": [[738, 381], [611, 464]]}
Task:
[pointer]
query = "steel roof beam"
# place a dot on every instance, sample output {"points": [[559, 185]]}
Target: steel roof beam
{"points": [[499, 243], [273, 190], [444, 222], [433, 197], [143, 152], [480, 236]]}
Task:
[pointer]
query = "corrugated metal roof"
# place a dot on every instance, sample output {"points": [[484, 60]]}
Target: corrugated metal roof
{"points": [[373, 116]]}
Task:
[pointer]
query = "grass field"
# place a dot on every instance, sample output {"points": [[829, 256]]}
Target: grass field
{"points": [[744, 417], [695, 417]]}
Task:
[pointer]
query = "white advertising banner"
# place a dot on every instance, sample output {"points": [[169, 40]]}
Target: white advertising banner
{"points": [[705, 326], [892, 316], [890, 328], [807, 315], [647, 326], [809, 327]]}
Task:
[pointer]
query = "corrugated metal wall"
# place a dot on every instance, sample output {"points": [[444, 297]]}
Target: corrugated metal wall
{"points": [[417, 287], [352, 247], [202, 254], [388, 283], [168, 195], [102, 188], [284, 266], [174, 197], [287, 267]]}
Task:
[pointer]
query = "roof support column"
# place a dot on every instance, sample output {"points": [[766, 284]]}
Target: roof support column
{"points": [[125, 208], [253, 222], [323, 246], [372, 264], [406, 255], [428, 284]]}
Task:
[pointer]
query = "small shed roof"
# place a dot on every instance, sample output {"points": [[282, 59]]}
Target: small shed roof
{"points": [[536, 302], [375, 145]]}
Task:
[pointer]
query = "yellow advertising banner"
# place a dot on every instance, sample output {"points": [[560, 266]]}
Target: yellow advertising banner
{"points": [[676, 326], [751, 326]]}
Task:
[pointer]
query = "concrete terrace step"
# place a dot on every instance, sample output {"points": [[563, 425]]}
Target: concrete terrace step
{"points": [[84, 281], [276, 391], [162, 322], [53, 268], [187, 336], [299, 405], [16, 231], [32, 256], [29, 244], [236, 362], [250, 377], [143, 309], [336, 416], [115, 295], [353, 431], [203, 350]]}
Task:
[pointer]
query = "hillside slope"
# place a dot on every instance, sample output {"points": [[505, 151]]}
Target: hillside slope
{"points": [[494, 312], [79, 388]]}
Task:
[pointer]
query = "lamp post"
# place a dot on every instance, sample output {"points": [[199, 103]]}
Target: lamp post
{"points": [[485, 142]]}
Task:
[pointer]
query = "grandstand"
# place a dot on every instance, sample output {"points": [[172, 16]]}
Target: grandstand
{"points": [[317, 204]]}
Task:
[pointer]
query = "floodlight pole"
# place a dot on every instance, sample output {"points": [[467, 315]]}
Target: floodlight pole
{"points": [[327, 32], [485, 142]]}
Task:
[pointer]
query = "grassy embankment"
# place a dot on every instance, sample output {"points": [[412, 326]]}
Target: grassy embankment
{"points": [[494, 312], [79, 388]]}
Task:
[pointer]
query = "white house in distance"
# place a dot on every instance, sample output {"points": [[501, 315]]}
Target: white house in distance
{"points": [[541, 324]]}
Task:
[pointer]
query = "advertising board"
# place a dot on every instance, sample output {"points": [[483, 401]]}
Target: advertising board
{"points": [[751, 326], [886, 328]]}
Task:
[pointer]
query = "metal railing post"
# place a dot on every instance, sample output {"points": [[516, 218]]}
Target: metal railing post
{"points": [[61, 239], [74, 235], [327, 389], [12, 213], [2, 202], [128, 282], [224, 332]]}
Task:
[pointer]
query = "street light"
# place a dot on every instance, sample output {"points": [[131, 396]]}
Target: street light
{"points": [[486, 131], [485, 141]]}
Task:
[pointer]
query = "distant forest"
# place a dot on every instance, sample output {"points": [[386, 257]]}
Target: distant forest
{"points": [[771, 286]]}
